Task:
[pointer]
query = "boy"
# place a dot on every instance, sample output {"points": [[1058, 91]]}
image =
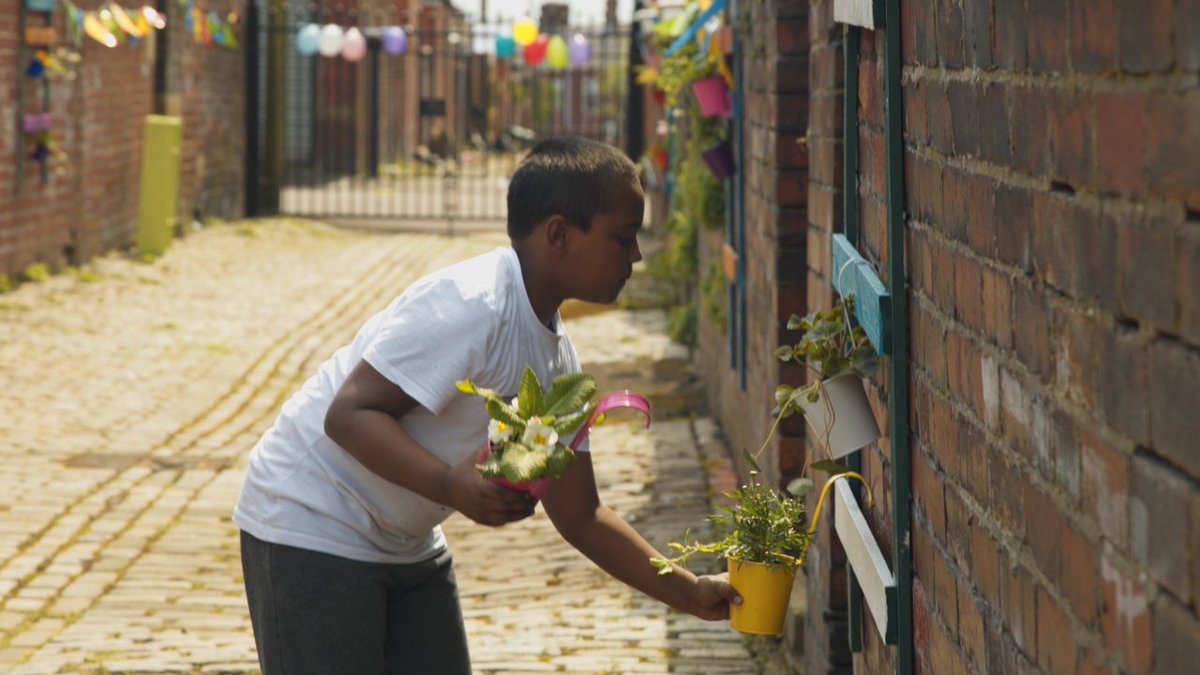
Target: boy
{"points": [[346, 569]]}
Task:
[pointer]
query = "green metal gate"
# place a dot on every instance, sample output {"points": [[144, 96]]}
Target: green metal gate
{"points": [[428, 126]]}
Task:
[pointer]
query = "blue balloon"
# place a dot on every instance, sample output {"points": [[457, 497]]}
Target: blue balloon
{"points": [[307, 38], [395, 40], [506, 46]]}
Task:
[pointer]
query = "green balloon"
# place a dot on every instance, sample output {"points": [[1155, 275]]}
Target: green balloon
{"points": [[556, 53]]}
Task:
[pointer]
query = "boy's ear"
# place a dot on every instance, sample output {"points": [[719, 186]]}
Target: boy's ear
{"points": [[557, 232]]}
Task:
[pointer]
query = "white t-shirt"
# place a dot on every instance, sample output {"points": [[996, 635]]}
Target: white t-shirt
{"points": [[472, 319]]}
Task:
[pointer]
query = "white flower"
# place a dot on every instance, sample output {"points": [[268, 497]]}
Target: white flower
{"points": [[499, 432], [539, 436]]}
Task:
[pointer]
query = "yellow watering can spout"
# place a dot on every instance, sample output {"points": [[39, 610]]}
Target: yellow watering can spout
{"points": [[821, 505]]}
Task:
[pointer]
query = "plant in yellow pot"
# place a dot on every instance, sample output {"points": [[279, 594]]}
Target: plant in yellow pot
{"points": [[766, 540]]}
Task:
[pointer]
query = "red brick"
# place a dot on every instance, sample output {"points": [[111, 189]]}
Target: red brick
{"points": [[1020, 609], [1145, 35], [918, 33], [1043, 530], [1076, 354], [1047, 24], [1173, 129], [1148, 270], [1124, 385], [1177, 637], [968, 292], [1120, 143], [1051, 248], [1160, 502], [941, 137], [986, 561], [1092, 31], [997, 306], [975, 463], [1032, 333], [928, 492], [1189, 284], [1007, 505], [971, 631], [1010, 34], [1014, 208], [1126, 620], [1071, 137], [1187, 22], [1174, 373], [1056, 645], [1094, 240], [1080, 578]]}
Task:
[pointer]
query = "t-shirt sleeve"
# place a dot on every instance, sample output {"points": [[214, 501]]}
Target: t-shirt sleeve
{"points": [[432, 338]]}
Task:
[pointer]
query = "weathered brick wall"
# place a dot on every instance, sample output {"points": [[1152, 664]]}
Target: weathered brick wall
{"points": [[1053, 237], [827, 648], [70, 216], [206, 86], [91, 206], [773, 41]]}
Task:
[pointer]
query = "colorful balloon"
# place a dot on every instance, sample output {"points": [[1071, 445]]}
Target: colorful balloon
{"points": [[535, 52], [330, 41], [525, 31], [556, 53], [506, 46], [354, 45], [307, 38], [580, 49], [395, 40]]}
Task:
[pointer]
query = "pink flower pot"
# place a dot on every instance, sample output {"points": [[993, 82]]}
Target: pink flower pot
{"points": [[712, 95]]}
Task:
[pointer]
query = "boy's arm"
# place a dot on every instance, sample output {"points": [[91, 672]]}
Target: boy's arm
{"points": [[364, 419], [613, 544]]}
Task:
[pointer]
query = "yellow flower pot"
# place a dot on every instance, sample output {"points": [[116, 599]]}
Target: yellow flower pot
{"points": [[765, 591]]}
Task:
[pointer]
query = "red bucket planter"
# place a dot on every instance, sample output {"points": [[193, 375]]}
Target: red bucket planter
{"points": [[620, 399]]}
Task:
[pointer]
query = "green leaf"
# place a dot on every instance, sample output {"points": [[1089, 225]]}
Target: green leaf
{"points": [[800, 487], [499, 410], [750, 460], [830, 467], [561, 459], [469, 387], [520, 463], [568, 393], [529, 397], [490, 467], [569, 423], [785, 353]]}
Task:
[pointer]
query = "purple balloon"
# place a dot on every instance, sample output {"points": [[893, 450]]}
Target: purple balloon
{"points": [[395, 40], [580, 50]]}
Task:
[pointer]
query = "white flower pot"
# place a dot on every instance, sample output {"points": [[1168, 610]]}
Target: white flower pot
{"points": [[841, 417]]}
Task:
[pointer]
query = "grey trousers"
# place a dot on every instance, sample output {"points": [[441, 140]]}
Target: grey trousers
{"points": [[322, 614]]}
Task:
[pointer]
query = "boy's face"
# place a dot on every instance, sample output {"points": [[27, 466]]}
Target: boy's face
{"points": [[601, 259]]}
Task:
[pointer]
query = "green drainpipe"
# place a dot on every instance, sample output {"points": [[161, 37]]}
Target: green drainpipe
{"points": [[898, 403]]}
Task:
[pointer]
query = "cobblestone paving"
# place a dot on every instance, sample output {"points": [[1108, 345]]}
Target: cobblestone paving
{"points": [[129, 399]]}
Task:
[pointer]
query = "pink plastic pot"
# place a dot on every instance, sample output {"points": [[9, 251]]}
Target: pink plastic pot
{"points": [[712, 94]]}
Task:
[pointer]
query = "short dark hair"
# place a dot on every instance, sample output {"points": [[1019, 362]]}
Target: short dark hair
{"points": [[569, 176]]}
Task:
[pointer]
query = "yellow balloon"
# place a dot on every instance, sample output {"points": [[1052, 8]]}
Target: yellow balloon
{"points": [[556, 53], [525, 31]]}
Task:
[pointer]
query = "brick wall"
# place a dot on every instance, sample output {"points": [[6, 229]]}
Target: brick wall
{"points": [[1053, 238], [773, 40], [91, 205], [206, 86]]}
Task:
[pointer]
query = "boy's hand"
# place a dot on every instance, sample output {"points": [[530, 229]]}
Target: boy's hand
{"points": [[712, 596], [480, 499]]}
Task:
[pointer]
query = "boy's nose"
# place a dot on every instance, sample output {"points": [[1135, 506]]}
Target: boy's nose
{"points": [[637, 252]]}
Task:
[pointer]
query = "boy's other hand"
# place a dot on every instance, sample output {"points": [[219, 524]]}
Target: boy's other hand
{"points": [[712, 596], [480, 499]]}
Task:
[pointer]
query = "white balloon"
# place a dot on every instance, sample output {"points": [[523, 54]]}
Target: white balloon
{"points": [[330, 42]]}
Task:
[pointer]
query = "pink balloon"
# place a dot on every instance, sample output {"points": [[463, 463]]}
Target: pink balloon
{"points": [[354, 45]]}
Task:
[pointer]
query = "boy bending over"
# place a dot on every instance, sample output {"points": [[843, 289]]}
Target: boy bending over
{"points": [[345, 565]]}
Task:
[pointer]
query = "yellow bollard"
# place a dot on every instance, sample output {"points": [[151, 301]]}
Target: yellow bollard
{"points": [[160, 183]]}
